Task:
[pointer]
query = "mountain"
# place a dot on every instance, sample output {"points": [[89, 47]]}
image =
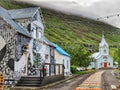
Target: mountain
{"points": [[70, 30]]}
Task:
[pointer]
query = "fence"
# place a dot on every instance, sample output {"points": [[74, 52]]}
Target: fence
{"points": [[51, 69]]}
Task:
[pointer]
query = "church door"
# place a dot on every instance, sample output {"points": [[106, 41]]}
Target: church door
{"points": [[105, 65]]}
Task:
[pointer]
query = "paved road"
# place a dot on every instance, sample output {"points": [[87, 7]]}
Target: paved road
{"points": [[70, 84], [109, 79]]}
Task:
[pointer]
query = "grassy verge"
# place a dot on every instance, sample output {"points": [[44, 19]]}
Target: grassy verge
{"points": [[117, 70], [85, 72]]}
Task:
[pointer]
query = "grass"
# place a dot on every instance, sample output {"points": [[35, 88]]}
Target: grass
{"points": [[117, 70], [85, 72]]}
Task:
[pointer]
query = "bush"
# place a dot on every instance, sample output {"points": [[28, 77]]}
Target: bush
{"points": [[73, 69], [93, 68]]}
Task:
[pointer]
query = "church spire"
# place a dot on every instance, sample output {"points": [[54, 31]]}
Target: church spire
{"points": [[103, 35], [103, 41]]}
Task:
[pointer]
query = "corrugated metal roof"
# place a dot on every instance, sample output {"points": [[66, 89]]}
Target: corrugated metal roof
{"points": [[22, 13], [4, 14], [60, 50]]}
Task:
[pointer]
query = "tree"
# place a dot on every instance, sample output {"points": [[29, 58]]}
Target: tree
{"points": [[79, 55], [117, 56]]}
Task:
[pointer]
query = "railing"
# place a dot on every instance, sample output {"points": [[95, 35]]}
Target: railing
{"points": [[49, 69]]}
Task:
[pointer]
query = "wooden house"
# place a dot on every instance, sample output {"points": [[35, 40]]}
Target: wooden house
{"points": [[62, 57]]}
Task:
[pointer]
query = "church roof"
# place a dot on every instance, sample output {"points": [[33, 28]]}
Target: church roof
{"points": [[95, 55], [103, 42]]}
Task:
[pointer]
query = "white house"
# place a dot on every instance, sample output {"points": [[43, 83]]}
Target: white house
{"points": [[62, 57], [102, 59]]}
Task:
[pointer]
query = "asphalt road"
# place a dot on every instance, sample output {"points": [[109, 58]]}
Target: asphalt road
{"points": [[70, 84], [108, 79]]}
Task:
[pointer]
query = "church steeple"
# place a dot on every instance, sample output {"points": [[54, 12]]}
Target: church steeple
{"points": [[103, 42], [103, 46]]}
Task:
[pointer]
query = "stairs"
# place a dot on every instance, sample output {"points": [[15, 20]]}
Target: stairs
{"points": [[30, 81]]}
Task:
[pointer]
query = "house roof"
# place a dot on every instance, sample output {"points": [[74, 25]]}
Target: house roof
{"points": [[47, 41], [4, 14], [60, 50], [22, 13]]}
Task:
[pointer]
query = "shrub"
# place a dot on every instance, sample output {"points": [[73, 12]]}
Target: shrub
{"points": [[73, 69]]}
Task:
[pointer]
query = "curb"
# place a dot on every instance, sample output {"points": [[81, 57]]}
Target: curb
{"points": [[58, 82]]}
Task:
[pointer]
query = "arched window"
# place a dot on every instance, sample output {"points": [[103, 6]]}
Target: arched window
{"points": [[104, 57], [105, 51]]}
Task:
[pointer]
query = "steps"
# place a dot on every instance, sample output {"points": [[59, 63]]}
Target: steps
{"points": [[30, 81]]}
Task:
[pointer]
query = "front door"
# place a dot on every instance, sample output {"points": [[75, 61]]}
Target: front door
{"points": [[105, 65]]}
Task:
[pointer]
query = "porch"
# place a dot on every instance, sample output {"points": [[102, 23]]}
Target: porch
{"points": [[48, 73]]}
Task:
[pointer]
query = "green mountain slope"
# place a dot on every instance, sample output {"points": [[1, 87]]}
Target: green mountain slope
{"points": [[73, 29], [69, 31]]}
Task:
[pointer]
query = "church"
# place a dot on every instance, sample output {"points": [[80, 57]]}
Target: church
{"points": [[102, 59]]}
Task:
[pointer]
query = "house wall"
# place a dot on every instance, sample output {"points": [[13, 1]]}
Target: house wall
{"points": [[66, 65], [62, 59], [58, 57], [7, 52], [21, 55]]}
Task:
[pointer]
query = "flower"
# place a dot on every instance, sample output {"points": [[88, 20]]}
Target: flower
{"points": [[43, 68]]}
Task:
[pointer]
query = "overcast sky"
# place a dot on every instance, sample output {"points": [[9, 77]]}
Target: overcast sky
{"points": [[88, 8]]}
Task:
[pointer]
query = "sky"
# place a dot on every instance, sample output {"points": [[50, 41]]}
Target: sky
{"points": [[88, 8]]}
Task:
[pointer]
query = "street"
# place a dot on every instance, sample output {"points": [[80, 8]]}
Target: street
{"points": [[107, 79]]}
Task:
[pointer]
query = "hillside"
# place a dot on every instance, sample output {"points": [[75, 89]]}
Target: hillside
{"points": [[69, 31], [68, 28]]}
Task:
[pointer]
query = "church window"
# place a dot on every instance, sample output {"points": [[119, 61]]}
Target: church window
{"points": [[104, 51], [104, 57]]}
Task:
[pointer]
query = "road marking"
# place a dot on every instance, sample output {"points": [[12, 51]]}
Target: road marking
{"points": [[113, 87]]}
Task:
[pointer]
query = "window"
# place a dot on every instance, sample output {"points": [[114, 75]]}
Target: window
{"points": [[105, 51], [63, 61], [67, 64], [46, 56], [104, 57], [55, 61]]}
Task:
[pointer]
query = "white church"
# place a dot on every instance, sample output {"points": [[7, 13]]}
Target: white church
{"points": [[102, 59]]}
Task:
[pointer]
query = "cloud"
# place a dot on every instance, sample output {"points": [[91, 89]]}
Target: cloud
{"points": [[88, 8]]}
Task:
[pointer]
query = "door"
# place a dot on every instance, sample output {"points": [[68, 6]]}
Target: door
{"points": [[105, 65]]}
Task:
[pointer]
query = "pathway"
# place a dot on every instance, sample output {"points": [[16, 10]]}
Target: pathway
{"points": [[92, 83]]}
